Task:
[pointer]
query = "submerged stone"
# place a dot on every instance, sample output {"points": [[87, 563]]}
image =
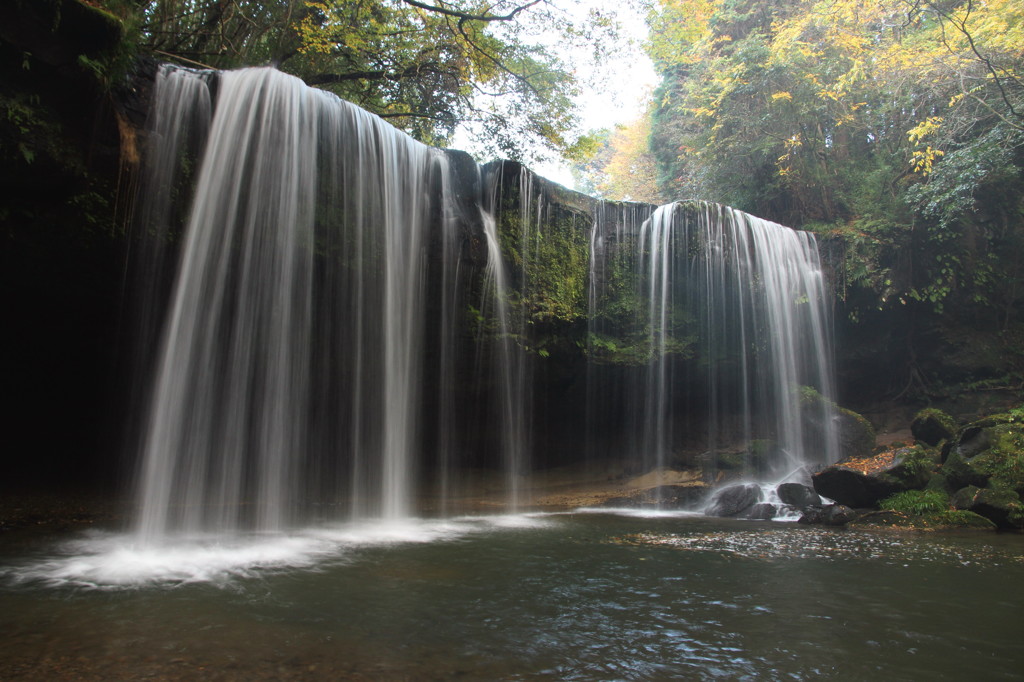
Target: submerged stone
{"points": [[838, 515]]}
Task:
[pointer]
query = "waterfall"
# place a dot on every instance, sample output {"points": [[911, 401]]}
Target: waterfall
{"points": [[730, 315], [354, 318], [267, 355]]}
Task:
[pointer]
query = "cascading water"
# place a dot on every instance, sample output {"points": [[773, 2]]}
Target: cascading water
{"points": [[317, 356], [731, 330], [272, 361]]}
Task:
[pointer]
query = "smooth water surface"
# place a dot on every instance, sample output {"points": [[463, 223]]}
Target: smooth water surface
{"points": [[581, 596]]}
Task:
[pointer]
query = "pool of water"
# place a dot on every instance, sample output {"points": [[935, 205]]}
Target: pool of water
{"points": [[575, 596]]}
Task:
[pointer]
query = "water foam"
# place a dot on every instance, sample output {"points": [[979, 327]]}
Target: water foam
{"points": [[113, 561]]}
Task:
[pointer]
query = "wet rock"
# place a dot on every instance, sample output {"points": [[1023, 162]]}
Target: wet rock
{"points": [[812, 516], [679, 496], [763, 511], [864, 481], [829, 515], [932, 426], [838, 515], [734, 500], [798, 495]]}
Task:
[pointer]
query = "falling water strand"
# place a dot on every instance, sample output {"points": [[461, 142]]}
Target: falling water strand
{"points": [[231, 432], [735, 313]]}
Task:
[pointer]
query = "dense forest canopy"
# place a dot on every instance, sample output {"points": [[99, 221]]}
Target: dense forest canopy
{"points": [[894, 127]]}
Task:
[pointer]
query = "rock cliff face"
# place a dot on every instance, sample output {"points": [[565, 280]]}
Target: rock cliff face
{"points": [[60, 254]]}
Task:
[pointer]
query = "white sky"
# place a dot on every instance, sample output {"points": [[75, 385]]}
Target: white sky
{"points": [[627, 82]]}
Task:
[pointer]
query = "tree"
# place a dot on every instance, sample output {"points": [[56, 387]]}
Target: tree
{"points": [[622, 168], [892, 127], [429, 66]]}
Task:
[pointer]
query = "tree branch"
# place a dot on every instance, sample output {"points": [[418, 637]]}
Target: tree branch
{"points": [[961, 26], [465, 16], [331, 78]]}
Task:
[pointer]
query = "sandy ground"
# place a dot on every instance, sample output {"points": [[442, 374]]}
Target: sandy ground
{"points": [[560, 488], [34, 512]]}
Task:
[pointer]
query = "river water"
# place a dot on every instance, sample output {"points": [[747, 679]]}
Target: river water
{"points": [[572, 596]]}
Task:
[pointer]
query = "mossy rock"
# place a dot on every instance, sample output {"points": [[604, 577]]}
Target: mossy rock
{"points": [[954, 519], [856, 434], [932, 426], [939, 482], [1001, 506], [888, 519], [988, 454], [864, 481]]}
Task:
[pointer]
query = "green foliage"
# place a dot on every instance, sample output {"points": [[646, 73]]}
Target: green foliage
{"points": [[917, 461], [1016, 515], [428, 67], [959, 518], [895, 129], [635, 349], [916, 502], [1004, 460], [939, 416], [548, 254]]}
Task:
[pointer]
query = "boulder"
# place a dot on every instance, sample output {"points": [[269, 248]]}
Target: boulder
{"points": [[812, 515], [798, 495], [734, 500], [763, 511], [988, 454], [837, 515], [1002, 507], [939, 482], [829, 515], [863, 481], [855, 433], [932, 426]]}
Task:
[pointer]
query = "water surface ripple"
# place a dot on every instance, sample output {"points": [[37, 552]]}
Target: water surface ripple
{"points": [[584, 596]]}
